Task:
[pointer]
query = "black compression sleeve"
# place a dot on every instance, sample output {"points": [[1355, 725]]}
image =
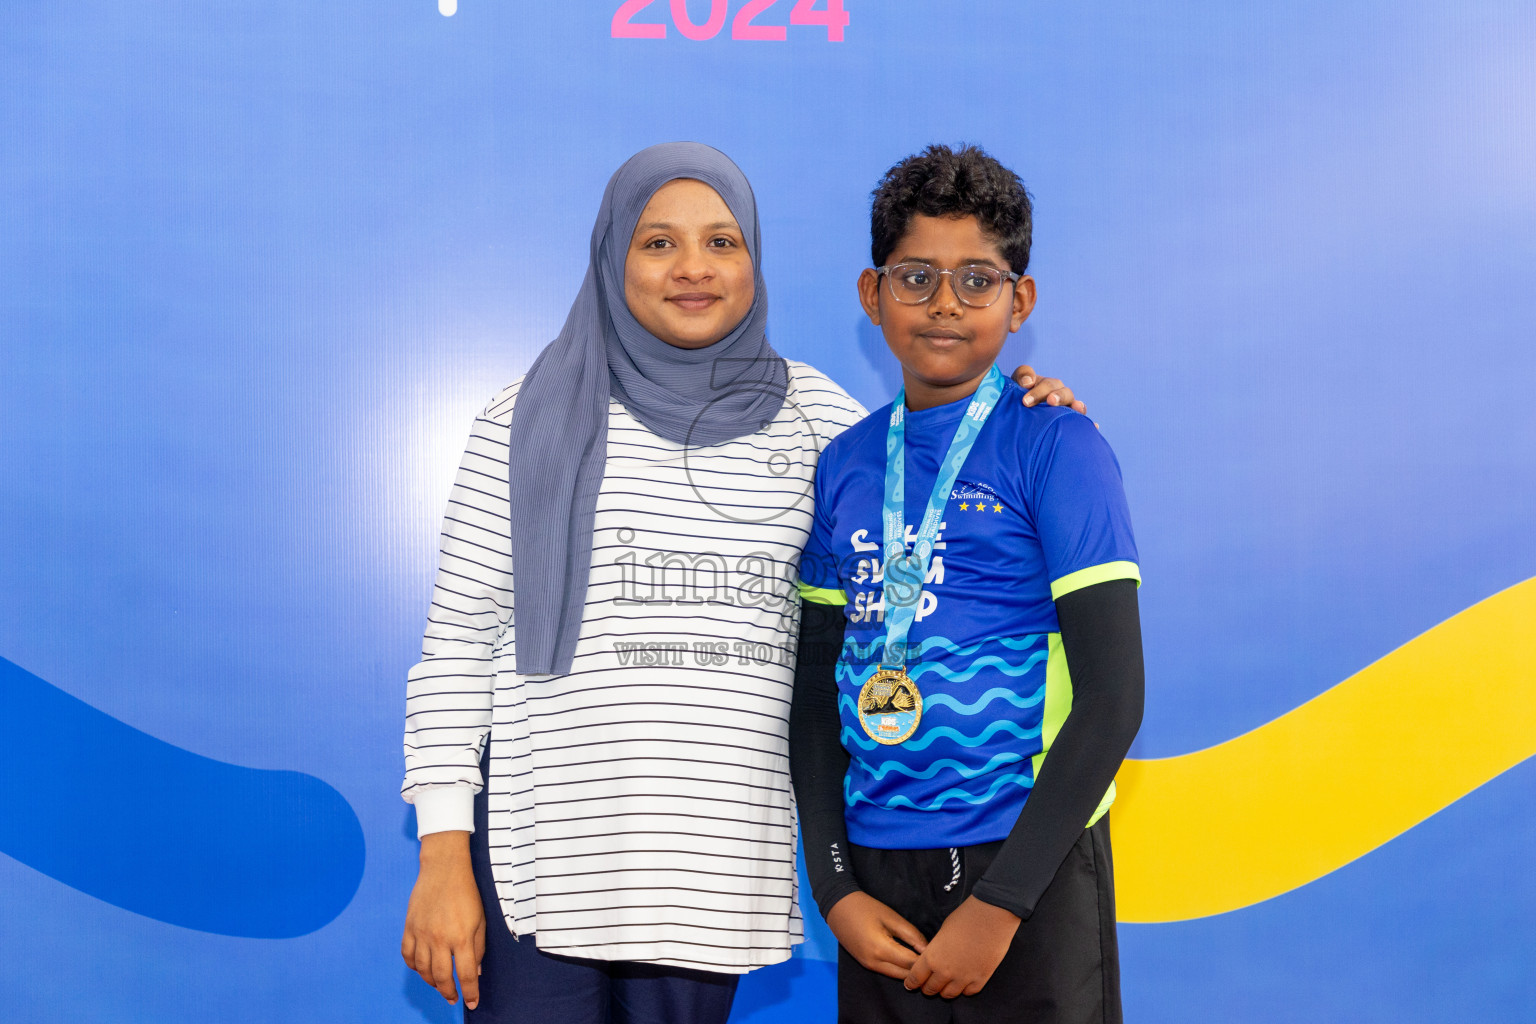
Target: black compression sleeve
{"points": [[1101, 637], [817, 760]]}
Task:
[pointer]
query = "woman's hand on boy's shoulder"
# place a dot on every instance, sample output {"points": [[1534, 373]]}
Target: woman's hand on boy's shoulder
{"points": [[1047, 390], [961, 958], [874, 934]]}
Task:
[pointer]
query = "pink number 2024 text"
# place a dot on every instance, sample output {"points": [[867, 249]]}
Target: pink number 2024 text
{"points": [[829, 15]]}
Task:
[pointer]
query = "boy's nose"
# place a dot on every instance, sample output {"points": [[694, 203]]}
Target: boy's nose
{"points": [[944, 300]]}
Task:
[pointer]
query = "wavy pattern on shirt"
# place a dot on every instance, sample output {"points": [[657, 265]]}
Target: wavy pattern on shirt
{"points": [[883, 769], [934, 701], [944, 732], [982, 716], [871, 651], [1025, 780], [860, 676]]}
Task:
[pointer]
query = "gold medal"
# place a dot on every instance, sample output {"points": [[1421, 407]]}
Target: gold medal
{"points": [[890, 706]]}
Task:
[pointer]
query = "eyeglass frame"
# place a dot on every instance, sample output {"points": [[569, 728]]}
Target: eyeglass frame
{"points": [[1008, 275]]}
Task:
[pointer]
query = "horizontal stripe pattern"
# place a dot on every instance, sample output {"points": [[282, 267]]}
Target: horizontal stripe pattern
{"points": [[640, 806]]}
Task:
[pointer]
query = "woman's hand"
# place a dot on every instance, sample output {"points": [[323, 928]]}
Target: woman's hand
{"points": [[445, 922], [873, 933], [961, 958], [1048, 390]]}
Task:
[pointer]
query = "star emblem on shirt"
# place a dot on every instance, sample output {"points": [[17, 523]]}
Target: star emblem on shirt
{"points": [[966, 507]]}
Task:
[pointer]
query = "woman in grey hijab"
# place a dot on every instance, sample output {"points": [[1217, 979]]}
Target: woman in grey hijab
{"points": [[602, 791], [694, 396]]}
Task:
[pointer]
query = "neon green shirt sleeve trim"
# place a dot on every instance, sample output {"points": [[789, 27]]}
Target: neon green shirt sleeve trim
{"points": [[1095, 574], [820, 595]]}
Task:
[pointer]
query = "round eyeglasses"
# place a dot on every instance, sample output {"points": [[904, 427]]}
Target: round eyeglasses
{"points": [[975, 284]]}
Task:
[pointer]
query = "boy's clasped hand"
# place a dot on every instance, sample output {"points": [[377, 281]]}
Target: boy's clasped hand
{"points": [[959, 961]]}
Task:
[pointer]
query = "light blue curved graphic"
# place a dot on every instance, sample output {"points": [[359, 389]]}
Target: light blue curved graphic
{"points": [[1023, 779], [944, 700], [158, 830], [864, 652], [931, 736], [859, 676], [885, 768]]}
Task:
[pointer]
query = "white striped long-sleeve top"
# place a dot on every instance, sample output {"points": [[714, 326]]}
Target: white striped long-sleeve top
{"points": [[640, 807]]}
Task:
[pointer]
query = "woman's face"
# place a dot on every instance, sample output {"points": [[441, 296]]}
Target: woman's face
{"points": [[688, 275]]}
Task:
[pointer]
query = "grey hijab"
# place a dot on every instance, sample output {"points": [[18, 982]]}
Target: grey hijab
{"points": [[559, 436]]}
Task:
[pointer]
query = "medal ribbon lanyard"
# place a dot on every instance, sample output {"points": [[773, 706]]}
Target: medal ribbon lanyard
{"points": [[904, 574]]}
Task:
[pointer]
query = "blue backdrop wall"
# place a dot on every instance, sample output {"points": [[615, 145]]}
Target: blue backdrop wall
{"points": [[261, 263]]}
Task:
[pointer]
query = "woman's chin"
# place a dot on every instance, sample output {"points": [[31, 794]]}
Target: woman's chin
{"points": [[693, 335], [693, 343]]}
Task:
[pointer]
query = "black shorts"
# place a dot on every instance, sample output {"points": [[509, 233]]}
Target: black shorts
{"points": [[1062, 968]]}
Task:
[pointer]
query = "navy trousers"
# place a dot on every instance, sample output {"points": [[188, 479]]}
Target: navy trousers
{"points": [[519, 984]]}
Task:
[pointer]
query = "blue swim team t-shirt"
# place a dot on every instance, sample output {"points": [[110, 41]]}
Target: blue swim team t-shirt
{"points": [[1038, 511]]}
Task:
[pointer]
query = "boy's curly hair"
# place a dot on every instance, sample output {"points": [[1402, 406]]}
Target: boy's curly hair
{"points": [[944, 182]]}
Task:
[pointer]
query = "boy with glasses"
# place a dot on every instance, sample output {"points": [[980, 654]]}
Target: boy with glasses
{"points": [[952, 774]]}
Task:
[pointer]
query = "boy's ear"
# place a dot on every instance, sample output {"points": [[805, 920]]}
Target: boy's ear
{"points": [[1023, 302], [869, 295]]}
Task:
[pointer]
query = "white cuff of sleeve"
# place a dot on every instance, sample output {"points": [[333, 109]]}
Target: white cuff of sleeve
{"points": [[445, 809]]}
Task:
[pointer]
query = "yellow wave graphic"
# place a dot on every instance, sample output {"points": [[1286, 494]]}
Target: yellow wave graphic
{"points": [[1305, 794]]}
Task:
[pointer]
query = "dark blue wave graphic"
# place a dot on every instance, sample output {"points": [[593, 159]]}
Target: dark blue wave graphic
{"points": [[163, 832]]}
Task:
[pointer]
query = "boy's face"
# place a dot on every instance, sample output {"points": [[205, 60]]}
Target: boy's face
{"points": [[944, 345]]}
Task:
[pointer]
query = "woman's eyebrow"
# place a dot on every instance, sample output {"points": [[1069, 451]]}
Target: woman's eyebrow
{"points": [[719, 225]]}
